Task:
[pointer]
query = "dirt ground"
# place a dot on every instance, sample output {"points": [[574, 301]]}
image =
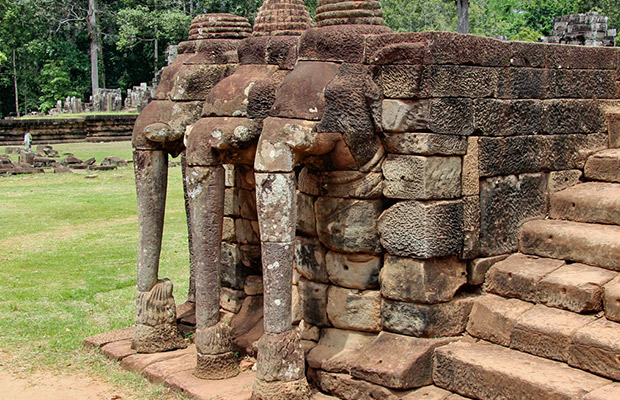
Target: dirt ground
{"points": [[46, 386]]}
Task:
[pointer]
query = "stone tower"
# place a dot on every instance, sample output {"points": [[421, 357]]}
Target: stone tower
{"points": [[337, 12], [282, 17], [219, 26]]}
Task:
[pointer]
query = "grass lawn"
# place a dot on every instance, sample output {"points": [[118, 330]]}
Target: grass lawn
{"points": [[68, 263]]}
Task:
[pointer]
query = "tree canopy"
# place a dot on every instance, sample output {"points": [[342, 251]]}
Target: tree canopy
{"points": [[50, 43]]}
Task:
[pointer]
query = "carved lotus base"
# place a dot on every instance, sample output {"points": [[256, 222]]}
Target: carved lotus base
{"points": [[219, 366], [279, 390], [164, 337]]}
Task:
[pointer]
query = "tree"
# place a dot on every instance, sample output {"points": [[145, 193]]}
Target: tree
{"points": [[462, 12], [95, 47], [410, 16]]}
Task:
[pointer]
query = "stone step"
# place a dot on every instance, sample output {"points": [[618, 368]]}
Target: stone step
{"points": [[575, 287], [592, 202], [604, 166], [585, 342], [487, 371], [592, 244]]}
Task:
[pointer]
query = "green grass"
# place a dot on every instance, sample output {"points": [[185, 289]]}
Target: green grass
{"points": [[67, 263]]}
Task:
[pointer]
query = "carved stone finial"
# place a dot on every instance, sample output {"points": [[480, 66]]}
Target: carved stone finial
{"points": [[282, 17], [156, 320], [219, 26], [357, 12]]}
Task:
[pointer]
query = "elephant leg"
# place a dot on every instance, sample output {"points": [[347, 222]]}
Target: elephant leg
{"points": [[205, 188], [191, 295], [156, 328], [280, 361]]}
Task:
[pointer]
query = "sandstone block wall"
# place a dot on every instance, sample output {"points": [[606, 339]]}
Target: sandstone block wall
{"points": [[97, 128], [476, 133]]}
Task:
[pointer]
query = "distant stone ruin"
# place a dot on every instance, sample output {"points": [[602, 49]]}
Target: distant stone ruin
{"points": [[381, 216], [582, 29]]}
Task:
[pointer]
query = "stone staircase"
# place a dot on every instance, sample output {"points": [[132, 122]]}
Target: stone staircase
{"points": [[548, 324]]}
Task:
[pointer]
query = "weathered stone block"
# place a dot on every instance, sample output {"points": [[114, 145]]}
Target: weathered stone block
{"points": [[611, 299], [508, 117], [493, 318], [231, 300], [228, 229], [574, 116], [313, 302], [458, 81], [302, 92], [247, 231], [356, 271], [354, 309], [523, 83], [310, 259], [560, 180], [194, 82], [424, 143], [451, 116], [231, 203], [400, 81], [486, 371], [583, 84], [604, 166], [398, 362], [337, 43], [348, 225], [448, 48], [276, 49], [306, 223], [233, 270], [546, 332], [352, 184], [334, 344], [424, 320], [593, 202], [405, 115], [519, 276], [308, 182], [613, 128], [244, 177], [423, 281], [580, 57], [344, 386], [596, 348], [471, 227], [611, 391], [471, 174], [570, 240], [230, 97], [505, 203], [477, 268], [575, 287], [247, 204], [253, 285], [308, 331], [422, 229], [519, 154], [420, 177]]}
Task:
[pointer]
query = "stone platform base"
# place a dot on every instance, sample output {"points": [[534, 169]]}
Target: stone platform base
{"points": [[175, 369]]}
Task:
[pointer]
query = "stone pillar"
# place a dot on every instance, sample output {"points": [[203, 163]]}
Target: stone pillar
{"points": [[280, 361], [156, 328], [205, 188]]}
